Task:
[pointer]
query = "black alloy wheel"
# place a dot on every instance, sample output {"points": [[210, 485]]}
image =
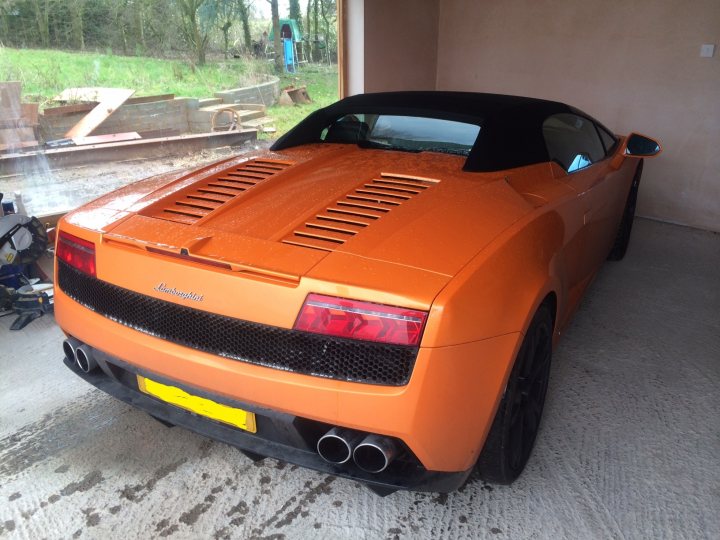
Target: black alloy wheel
{"points": [[517, 422]]}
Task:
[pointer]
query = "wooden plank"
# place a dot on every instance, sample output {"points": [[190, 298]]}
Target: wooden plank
{"points": [[248, 106], [12, 135], [150, 99], [18, 145], [100, 139], [30, 112], [70, 109], [99, 114], [155, 133], [89, 105], [14, 123], [74, 156], [10, 100]]}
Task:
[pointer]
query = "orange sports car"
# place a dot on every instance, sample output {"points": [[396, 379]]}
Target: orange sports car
{"points": [[377, 296]]}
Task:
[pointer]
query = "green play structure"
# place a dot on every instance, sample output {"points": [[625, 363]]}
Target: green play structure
{"points": [[289, 29]]}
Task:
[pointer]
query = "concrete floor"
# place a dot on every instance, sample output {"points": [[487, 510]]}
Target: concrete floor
{"points": [[629, 446]]}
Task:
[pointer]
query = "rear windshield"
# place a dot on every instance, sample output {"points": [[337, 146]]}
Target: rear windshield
{"points": [[406, 133]]}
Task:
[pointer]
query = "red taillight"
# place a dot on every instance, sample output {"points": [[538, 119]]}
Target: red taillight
{"points": [[77, 252], [361, 320]]}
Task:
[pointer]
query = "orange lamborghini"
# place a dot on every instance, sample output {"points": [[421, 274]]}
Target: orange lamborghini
{"points": [[377, 296]]}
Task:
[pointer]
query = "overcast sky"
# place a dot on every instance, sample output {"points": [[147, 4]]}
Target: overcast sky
{"points": [[262, 7]]}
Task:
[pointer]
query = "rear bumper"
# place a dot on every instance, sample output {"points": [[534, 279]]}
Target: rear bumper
{"points": [[442, 415], [280, 436]]}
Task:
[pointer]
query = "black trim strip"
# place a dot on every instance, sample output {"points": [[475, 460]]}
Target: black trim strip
{"points": [[269, 346]]}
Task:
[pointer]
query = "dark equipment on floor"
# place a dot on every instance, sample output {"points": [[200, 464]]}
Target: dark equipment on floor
{"points": [[23, 240]]}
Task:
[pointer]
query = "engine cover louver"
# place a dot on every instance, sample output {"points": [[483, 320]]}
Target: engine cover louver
{"points": [[358, 209], [190, 205]]}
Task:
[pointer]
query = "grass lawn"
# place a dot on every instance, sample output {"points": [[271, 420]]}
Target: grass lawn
{"points": [[46, 73]]}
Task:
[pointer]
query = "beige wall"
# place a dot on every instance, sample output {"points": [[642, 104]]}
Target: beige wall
{"points": [[635, 65], [401, 39]]}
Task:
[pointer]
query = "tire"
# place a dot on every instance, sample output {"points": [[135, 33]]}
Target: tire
{"points": [[517, 421], [622, 240]]}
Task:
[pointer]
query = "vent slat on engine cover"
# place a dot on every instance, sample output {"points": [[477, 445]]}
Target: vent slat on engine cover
{"points": [[356, 210], [192, 204]]}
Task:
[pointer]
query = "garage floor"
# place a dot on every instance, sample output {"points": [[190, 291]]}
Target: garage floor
{"points": [[629, 446]]}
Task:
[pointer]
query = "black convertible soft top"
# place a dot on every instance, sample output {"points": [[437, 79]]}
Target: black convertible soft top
{"points": [[511, 126]]}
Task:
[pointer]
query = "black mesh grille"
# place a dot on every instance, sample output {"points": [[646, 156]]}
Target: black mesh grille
{"points": [[269, 346]]}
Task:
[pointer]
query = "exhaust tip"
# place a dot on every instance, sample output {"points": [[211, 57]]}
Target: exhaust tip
{"points": [[374, 454], [336, 446], [84, 359], [69, 350]]}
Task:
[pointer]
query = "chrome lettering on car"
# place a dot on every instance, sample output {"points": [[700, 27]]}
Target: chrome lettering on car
{"points": [[163, 288]]}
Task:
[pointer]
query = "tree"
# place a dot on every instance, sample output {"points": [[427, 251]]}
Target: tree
{"points": [[4, 23], [77, 8], [316, 38], [195, 27], [244, 13], [308, 31], [295, 12], [224, 12], [277, 44], [328, 10], [42, 18], [139, 8]]}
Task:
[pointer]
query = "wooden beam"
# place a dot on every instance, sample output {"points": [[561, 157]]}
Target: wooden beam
{"points": [[88, 106], [16, 123], [155, 133], [102, 139], [100, 113], [18, 145], [13, 136], [73, 156], [150, 99], [30, 112], [70, 109], [10, 100], [341, 45]]}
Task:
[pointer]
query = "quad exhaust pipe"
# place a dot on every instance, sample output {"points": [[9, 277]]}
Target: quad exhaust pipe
{"points": [[84, 359], [337, 445], [69, 347], [80, 354], [372, 453]]}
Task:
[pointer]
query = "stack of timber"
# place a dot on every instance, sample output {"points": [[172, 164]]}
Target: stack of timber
{"points": [[18, 121], [126, 118], [111, 126], [93, 125], [136, 117]]}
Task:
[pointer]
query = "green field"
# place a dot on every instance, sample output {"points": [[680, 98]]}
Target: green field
{"points": [[46, 73]]}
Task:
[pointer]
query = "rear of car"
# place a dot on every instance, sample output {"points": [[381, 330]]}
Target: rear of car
{"points": [[262, 336], [376, 297]]}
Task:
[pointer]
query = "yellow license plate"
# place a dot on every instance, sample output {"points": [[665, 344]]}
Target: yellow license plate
{"points": [[204, 407]]}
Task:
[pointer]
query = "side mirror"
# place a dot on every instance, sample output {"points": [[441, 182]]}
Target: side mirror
{"points": [[640, 146]]}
